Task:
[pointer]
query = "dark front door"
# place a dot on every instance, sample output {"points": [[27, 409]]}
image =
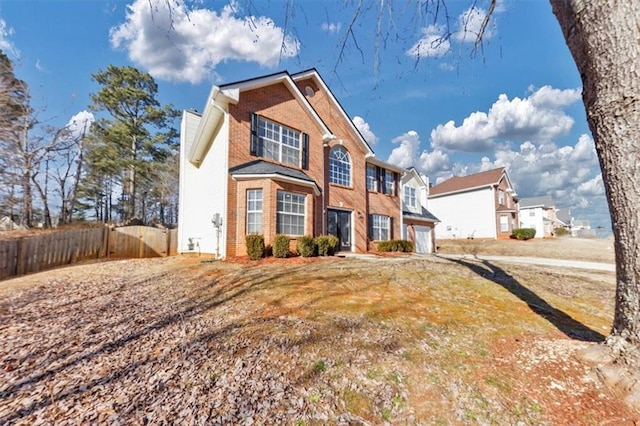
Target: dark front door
{"points": [[339, 224]]}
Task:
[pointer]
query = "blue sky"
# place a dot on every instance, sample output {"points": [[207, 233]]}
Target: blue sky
{"points": [[428, 104]]}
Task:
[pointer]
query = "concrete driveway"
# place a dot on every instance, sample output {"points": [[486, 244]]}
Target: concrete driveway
{"points": [[595, 266]]}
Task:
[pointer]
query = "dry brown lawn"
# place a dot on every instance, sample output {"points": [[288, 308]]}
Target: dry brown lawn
{"points": [[305, 342], [587, 249]]}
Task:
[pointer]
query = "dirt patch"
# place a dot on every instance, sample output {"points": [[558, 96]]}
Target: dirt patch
{"points": [[304, 341]]}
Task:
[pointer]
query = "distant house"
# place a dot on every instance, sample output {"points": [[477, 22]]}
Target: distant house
{"points": [[482, 205], [581, 228], [538, 213], [417, 222], [564, 218], [278, 154]]}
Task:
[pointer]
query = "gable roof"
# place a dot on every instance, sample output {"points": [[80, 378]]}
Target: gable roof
{"points": [[465, 183], [544, 201], [313, 74]]}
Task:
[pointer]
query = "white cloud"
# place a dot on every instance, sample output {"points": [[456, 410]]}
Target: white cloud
{"points": [[539, 117], [5, 43], [331, 27], [407, 154], [182, 44], [80, 123], [570, 174], [469, 26], [433, 43], [365, 130]]}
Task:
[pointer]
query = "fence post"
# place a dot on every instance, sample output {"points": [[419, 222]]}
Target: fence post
{"points": [[20, 258]]}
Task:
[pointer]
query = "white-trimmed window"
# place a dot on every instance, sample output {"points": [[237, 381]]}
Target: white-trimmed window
{"points": [[389, 182], [339, 166], [290, 217], [504, 223], [371, 178], [532, 213], [279, 142], [379, 227], [254, 211], [410, 196], [500, 197]]}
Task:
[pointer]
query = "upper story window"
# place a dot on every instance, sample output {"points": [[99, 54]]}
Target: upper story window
{"points": [[410, 196], [278, 142], [381, 180], [500, 197], [389, 182], [371, 178], [339, 166]]}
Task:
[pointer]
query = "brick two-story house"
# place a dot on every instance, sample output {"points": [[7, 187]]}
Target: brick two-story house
{"points": [[279, 155]]}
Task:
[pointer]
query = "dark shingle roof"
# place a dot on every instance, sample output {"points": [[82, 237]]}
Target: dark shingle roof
{"points": [[459, 183], [259, 167], [425, 215]]}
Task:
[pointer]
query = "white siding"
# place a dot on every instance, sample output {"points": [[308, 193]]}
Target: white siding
{"points": [[203, 190], [465, 214], [536, 221]]}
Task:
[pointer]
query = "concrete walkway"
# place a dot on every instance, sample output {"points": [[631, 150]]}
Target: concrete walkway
{"points": [[563, 263]]}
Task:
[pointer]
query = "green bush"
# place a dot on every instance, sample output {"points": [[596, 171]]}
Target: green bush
{"points": [[395, 245], [281, 246], [327, 244], [523, 233], [306, 246], [255, 246], [560, 231]]}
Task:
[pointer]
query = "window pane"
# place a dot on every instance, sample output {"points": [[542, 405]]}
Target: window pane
{"points": [[379, 227], [279, 142], [371, 178], [290, 217], [339, 166], [254, 211]]}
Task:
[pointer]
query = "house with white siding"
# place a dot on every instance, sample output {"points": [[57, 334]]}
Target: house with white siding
{"points": [[538, 213], [482, 205]]}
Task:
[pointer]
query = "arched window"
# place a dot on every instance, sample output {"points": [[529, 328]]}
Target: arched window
{"points": [[339, 166]]}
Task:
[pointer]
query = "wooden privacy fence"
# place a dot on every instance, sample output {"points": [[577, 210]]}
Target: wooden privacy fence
{"points": [[38, 253], [142, 241]]}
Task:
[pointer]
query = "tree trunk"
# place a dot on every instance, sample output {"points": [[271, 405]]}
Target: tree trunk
{"points": [[603, 37]]}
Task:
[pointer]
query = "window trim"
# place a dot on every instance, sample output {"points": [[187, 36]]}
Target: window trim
{"points": [[254, 212], [376, 225], [279, 225], [344, 162], [373, 179], [412, 202], [259, 128]]}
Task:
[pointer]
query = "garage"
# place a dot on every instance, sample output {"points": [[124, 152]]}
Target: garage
{"points": [[422, 239]]}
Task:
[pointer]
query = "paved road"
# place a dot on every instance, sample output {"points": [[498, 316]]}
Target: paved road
{"points": [[609, 267]]}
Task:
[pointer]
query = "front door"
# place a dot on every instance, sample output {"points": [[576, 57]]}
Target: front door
{"points": [[339, 224]]}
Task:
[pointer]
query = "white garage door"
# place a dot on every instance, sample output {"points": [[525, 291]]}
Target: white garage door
{"points": [[423, 239]]}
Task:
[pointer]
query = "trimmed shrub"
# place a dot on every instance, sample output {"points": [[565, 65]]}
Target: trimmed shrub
{"points": [[523, 233], [281, 246], [306, 246], [395, 245], [255, 246], [561, 232], [327, 244]]}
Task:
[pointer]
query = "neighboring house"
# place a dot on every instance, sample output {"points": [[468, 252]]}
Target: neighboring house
{"points": [[482, 205], [417, 222], [581, 228], [278, 155], [564, 218], [538, 213]]}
